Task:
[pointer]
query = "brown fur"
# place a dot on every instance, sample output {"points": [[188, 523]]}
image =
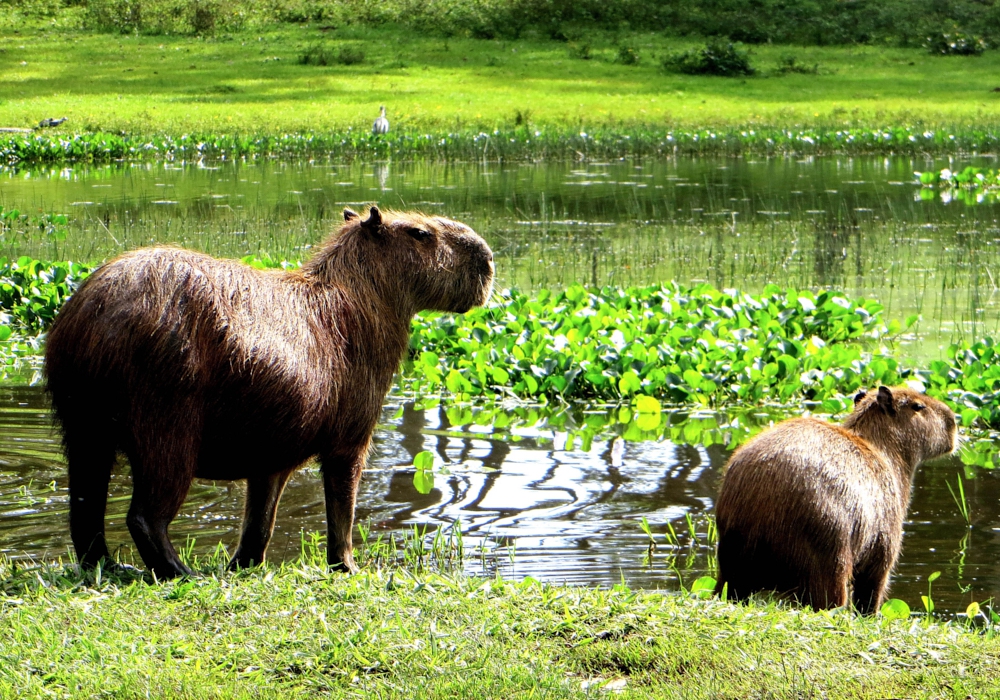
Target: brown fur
{"points": [[199, 367], [815, 510]]}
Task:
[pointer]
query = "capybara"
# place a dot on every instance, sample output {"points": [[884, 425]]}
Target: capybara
{"points": [[812, 510], [194, 366]]}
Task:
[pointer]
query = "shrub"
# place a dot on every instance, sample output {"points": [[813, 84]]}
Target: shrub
{"points": [[315, 55], [789, 64], [955, 44], [581, 51], [715, 58], [628, 55], [350, 55]]}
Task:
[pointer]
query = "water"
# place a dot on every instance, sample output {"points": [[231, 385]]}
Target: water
{"points": [[567, 513], [855, 223], [555, 511]]}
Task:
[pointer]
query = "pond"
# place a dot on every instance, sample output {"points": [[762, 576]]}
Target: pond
{"points": [[524, 487], [860, 224], [532, 498]]}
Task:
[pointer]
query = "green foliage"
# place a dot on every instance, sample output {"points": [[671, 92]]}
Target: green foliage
{"points": [[502, 143], [685, 345], [789, 63], [167, 16], [32, 291], [970, 185], [903, 22], [715, 58], [895, 609], [628, 55], [955, 44]]}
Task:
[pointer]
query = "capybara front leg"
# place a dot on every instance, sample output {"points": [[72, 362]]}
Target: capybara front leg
{"points": [[340, 484], [158, 491], [263, 494], [90, 462]]}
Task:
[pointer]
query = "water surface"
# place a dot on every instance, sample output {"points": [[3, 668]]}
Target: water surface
{"points": [[531, 495], [855, 223]]}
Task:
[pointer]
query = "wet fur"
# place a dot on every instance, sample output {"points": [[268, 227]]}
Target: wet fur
{"points": [[815, 511], [194, 366]]}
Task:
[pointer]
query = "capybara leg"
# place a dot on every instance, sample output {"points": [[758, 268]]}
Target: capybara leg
{"points": [[90, 462], [158, 490], [828, 583], [263, 494], [871, 580], [340, 484]]}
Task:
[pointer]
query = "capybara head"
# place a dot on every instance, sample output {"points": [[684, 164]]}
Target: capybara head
{"points": [[417, 261], [912, 424]]}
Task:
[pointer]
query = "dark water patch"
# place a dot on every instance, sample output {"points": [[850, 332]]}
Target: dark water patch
{"points": [[561, 493]]}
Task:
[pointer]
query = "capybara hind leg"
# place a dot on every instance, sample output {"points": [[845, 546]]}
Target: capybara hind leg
{"points": [[158, 490], [340, 485], [828, 584], [872, 580], [90, 462], [263, 494]]}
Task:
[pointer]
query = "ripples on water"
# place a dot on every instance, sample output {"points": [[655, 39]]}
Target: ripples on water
{"points": [[568, 515]]}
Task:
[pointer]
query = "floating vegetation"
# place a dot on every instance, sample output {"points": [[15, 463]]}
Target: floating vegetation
{"points": [[683, 345], [508, 143], [970, 185]]}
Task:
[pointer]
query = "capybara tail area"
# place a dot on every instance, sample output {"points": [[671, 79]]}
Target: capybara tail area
{"points": [[748, 567]]}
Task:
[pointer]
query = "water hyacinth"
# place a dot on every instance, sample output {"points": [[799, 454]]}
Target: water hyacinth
{"points": [[505, 143], [970, 185], [693, 345]]}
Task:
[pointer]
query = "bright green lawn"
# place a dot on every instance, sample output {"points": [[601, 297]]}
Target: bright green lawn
{"points": [[300, 632], [234, 84]]}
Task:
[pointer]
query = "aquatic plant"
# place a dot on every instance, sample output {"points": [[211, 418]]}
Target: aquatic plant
{"points": [[970, 185], [685, 345], [518, 142]]}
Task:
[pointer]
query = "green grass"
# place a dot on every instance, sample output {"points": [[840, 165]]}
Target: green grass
{"points": [[250, 83], [299, 631]]}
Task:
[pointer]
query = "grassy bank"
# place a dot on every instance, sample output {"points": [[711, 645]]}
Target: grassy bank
{"points": [[246, 93], [298, 631]]}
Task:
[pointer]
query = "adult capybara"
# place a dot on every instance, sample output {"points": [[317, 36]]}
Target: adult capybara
{"points": [[811, 509], [199, 367]]}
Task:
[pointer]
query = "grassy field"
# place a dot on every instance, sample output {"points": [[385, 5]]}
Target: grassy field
{"points": [[298, 631], [252, 83]]}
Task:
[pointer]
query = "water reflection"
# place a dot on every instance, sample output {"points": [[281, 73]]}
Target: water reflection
{"points": [[564, 489]]}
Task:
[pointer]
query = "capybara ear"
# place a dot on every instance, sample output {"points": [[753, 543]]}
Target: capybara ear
{"points": [[374, 221], [860, 395], [350, 214], [885, 401]]}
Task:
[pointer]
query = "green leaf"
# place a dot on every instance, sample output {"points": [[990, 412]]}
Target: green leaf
{"points": [[629, 383], [424, 460], [895, 609], [704, 587], [934, 577], [423, 481], [5, 333], [647, 404]]}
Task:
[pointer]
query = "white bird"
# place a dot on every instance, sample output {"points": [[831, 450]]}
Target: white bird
{"points": [[381, 125]]}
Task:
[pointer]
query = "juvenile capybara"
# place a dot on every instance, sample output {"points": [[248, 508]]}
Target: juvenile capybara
{"points": [[194, 366], [815, 510]]}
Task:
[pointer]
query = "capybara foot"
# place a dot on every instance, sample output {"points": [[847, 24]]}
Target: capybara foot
{"points": [[240, 562], [344, 564]]}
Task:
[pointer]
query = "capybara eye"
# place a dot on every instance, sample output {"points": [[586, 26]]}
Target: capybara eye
{"points": [[419, 233], [918, 407]]}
